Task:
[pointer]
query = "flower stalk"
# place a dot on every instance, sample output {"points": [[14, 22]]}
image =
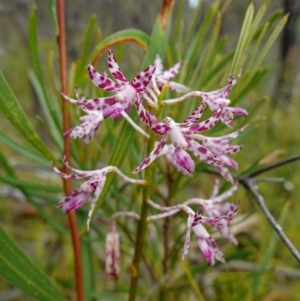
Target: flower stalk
{"points": [[142, 223], [76, 241]]}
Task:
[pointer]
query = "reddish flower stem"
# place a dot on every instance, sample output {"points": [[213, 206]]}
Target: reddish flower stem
{"points": [[76, 241]]}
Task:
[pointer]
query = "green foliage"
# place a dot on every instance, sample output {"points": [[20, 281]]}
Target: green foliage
{"points": [[18, 269], [10, 106]]}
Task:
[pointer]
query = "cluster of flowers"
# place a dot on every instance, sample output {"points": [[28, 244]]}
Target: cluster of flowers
{"points": [[146, 88]]}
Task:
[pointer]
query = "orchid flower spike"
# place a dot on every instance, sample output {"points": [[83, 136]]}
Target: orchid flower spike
{"points": [[79, 196], [116, 106], [216, 100], [126, 91], [181, 136]]}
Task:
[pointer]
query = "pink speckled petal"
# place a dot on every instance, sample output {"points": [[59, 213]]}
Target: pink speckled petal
{"points": [[80, 174], [184, 160], [173, 86], [224, 92], [225, 173], [103, 82], [153, 155], [114, 110], [194, 117], [204, 154], [77, 198], [141, 81], [210, 250], [229, 162], [97, 191], [228, 114], [114, 68], [224, 213], [159, 66], [206, 124], [149, 119], [187, 237], [173, 71], [206, 243], [169, 153], [87, 129], [96, 104]]}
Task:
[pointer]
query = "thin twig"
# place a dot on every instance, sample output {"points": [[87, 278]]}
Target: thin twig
{"points": [[261, 170], [253, 267], [249, 184], [275, 165], [76, 241]]}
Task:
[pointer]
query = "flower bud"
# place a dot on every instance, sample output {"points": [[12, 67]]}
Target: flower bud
{"points": [[112, 264]]}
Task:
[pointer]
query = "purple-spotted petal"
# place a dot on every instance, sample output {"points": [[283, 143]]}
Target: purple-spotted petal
{"points": [[214, 104], [173, 86], [97, 182], [169, 153], [204, 154], [224, 92], [206, 243], [87, 129], [153, 155], [228, 114], [194, 117], [141, 81], [170, 73], [221, 217], [225, 173], [184, 160], [103, 82], [96, 104], [187, 236], [112, 255], [77, 198], [149, 119], [229, 162], [159, 66], [79, 175], [114, 68], [210, 250], [206, 124], [114, 110]]}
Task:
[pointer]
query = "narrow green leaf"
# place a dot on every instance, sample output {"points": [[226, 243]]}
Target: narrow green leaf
{"points": [[52, 5], [88, 268], [28, 153], [49, 111], [191, 29], [19, 270], [192, 282], [239, 53], [126, 35], [37, 80], [15, 182], [159, 37], [193, 51], [256, 21], [32, 42], [86, 47], [270, 42], [29, 195], [14, 112]]}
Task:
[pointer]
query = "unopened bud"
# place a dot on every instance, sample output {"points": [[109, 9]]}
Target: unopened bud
{"points": [[112, 264]]}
